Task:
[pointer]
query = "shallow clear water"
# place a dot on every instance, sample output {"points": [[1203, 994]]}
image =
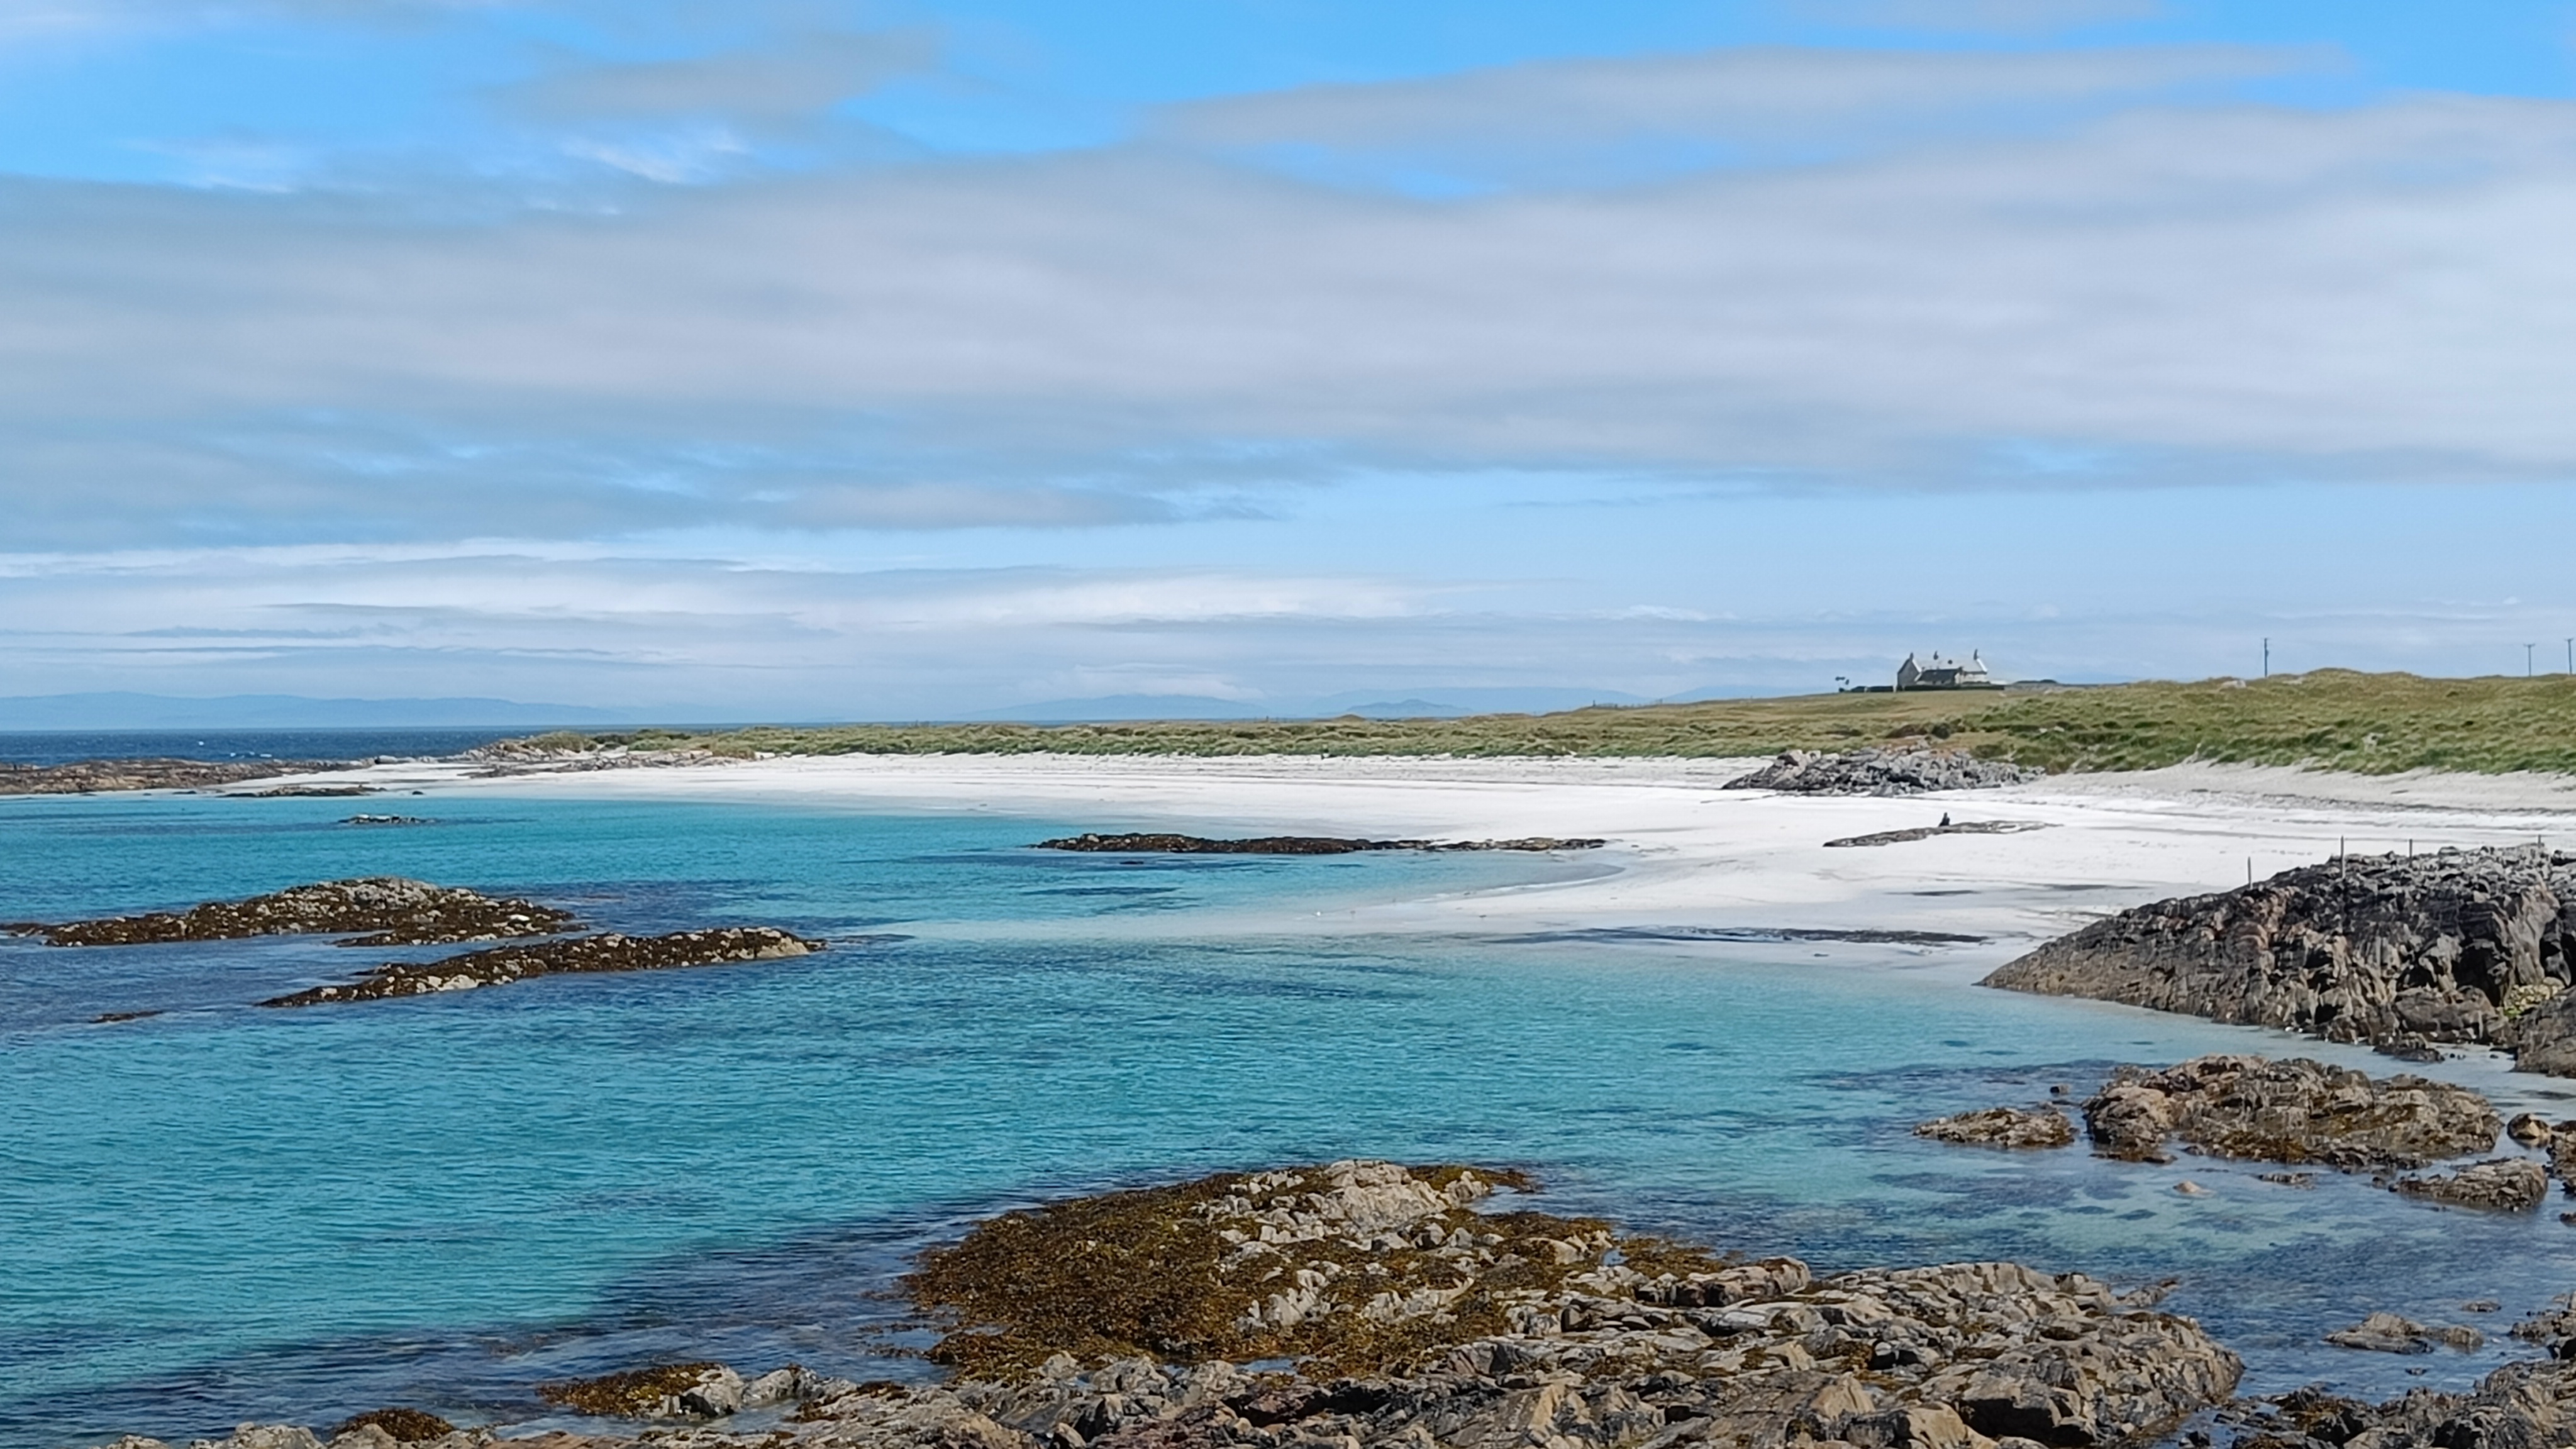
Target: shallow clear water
{"points": [[223, 1213]]}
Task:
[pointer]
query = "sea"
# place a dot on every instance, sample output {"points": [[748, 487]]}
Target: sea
{"points": [[218, 1213], [62, 747]]}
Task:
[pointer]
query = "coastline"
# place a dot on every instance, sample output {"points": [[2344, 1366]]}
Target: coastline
{"points": [[1684, 853]]}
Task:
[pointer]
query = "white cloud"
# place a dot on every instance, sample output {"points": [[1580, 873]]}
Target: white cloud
{"points": [[1989, 16], [2202, 292]]}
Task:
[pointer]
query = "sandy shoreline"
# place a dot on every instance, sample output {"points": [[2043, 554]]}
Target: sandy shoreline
{"points": [[1684, 853]]}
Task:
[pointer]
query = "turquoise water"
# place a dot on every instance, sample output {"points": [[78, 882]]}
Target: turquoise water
{"points": [[222, 1213]]}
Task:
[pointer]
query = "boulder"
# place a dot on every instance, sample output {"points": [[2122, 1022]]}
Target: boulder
{"points": [[2002, 1127], [2504, 1184], [2294, 1110], [1914, 770], [2403, 952]]}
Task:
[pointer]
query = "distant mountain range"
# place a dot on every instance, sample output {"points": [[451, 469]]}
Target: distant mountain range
{"points": [[126, 711]]}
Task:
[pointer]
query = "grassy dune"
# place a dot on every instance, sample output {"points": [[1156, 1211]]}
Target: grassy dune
{"points": [[2335, 719]]}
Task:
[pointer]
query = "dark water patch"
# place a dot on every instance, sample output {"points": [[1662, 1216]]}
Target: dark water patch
{"points": [[1743, 935]]}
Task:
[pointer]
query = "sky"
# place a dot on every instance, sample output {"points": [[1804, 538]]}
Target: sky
{"points": [[840, 359]]}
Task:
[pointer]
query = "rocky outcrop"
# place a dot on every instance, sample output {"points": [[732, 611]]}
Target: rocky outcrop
{"points": [[403, 1426], [1151, 844], [2390, 1333], [1117, 1322], [1918, 770], [2399, 951], [2504, 1184], [611, 952], [90, 776], [2002, 1127], [2527, 1405], [1927, 832], [688, 1391], [2288, 1111], [383, 910]]}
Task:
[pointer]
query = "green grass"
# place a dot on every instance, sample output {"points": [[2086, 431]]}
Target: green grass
{"points": [[2333, 719]]}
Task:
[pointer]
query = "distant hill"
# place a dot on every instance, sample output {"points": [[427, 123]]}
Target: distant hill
{"points": [[127, 711]]}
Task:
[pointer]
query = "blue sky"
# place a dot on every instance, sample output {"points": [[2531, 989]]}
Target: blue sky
{"points": [[898, 360]]}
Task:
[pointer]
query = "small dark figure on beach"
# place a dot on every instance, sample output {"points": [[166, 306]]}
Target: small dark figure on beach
{"points": [[1945, 819]]}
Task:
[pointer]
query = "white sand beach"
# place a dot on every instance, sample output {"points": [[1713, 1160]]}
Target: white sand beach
{"points": [[1683, 852]]}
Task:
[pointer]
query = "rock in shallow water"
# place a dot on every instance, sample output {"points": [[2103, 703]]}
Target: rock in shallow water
{"points": [[1152, 844], [2295, 1110], [2403, 952], [582, 954], [2002, 1127], [386, 911], [1421, 1322], [2509, 1184]]}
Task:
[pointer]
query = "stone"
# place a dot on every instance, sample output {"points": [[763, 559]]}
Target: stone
{"points": [[2383, 1333], [503, 965], [2002, 1127], [373, 911], [2507, 1184], [1546, 1333], [1915, 770], [2530, 1129], [2403, 952], [398, 1425], [2293, 1111]]}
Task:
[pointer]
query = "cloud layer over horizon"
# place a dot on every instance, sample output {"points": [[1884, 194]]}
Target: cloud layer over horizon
{"points": [[1733, 282]]}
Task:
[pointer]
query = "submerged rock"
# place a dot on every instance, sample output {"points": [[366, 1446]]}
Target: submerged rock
{"points": [[2002, 1127], [1153, 844], [2294, 1110], [1909, 771], [2404, 952], [386, 910], [504, 964]]}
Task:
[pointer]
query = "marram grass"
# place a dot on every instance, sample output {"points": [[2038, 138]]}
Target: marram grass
{"points": [[2330, 719]]}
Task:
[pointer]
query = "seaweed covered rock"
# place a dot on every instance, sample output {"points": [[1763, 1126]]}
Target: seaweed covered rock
{"points": [[2294, 1110], [403, 1426], [2505, 1184], [1916, 770], [2398, 951], [385, 910], [2002, 1127], [502, 965], [2529, 1405], [1416, 1318], [665, 1391], [1414, 1321]]}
